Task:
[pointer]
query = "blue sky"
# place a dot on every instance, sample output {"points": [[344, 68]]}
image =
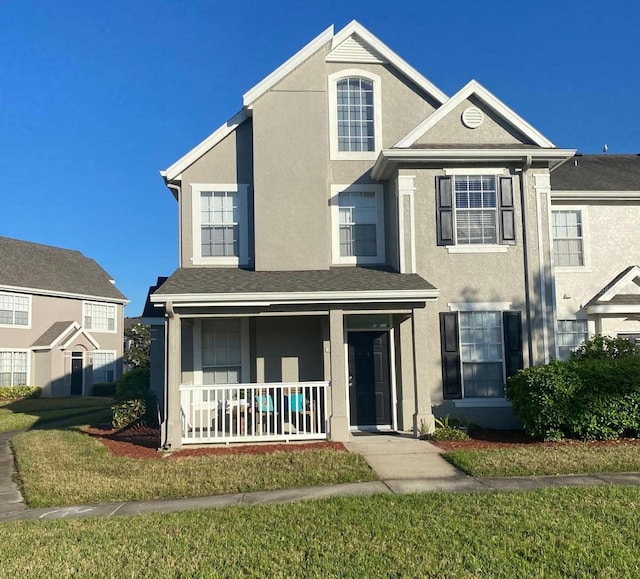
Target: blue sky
{"points": [[97, 97]]}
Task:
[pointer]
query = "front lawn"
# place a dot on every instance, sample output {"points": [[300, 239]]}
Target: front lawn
{"points": [[587, 532], [551, 459], [65, 467], [18, 414]]}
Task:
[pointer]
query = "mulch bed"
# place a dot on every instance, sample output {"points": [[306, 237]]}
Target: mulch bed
{"points": [[487, 439], [141, 441]]}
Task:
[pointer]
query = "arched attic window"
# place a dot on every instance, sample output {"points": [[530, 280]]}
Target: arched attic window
{"points": [[355, 114]]}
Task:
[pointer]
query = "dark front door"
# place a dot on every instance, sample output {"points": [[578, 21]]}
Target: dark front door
{"points": [[369, 384], [76, 374]]}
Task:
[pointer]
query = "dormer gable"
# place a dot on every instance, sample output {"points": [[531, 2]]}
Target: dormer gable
{"points": [[474, 116]]}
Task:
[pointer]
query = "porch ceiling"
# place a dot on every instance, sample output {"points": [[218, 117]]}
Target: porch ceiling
{"points": [[351, 284]]}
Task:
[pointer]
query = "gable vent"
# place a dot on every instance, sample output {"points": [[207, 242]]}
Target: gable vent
{"points": [[472, 117], [354, 49]]}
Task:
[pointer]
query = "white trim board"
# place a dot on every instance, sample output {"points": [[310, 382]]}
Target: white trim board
{"points": [[632, 275], [595, 195], [474, 88], [45, 292]]}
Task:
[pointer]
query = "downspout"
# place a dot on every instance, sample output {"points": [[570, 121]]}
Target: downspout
{"points": [[168, 306], [525, 251]]}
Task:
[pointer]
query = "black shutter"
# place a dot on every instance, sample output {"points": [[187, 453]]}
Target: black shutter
{"points": [[512, 322], [444, 210], [450, 351], [507, 211]]}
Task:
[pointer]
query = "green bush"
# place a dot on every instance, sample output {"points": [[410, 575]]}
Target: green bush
{"points": [[133, 399], [587, 399], [13, 392], [104, 389], [448, 433], [605, 347]]}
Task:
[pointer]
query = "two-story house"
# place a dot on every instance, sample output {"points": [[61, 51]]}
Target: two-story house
{"points": [[357, 251], [595, 203], [61, 320]]}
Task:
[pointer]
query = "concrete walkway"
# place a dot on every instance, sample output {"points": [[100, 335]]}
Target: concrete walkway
{"points": [[405, 465]]}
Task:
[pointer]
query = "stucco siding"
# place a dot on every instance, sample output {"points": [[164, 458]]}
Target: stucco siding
{"points": [[451, 130]]}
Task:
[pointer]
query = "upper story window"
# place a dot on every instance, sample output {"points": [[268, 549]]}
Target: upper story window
{"points": [[220, 224], [99, 317], [358, 224], [14, 310], [354, 107], [475, 211], [568, 238]]}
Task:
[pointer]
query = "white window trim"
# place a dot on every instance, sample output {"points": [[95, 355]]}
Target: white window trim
{"points": [[243, 242], [244, 351], [115, 317], [589, 334], [586, 253], [476, 247], [474, 402], [115, 357], [18, 326], [334, 153], [20, 351], [338, 259]]}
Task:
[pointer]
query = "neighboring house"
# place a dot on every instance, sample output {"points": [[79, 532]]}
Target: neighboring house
{"points": [[358, 251], [595, 222], [61, 320]]}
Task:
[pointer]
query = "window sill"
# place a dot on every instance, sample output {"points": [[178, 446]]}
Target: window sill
{"points": [[477, 248], [355, 156], [564, 269], [359, 261], [482, 403], [16, 326], [219, 261]]}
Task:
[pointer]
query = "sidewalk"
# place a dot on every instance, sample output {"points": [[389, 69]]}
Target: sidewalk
{"points": [[405, 465]]}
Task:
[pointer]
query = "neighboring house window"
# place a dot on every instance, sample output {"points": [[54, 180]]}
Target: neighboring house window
{"points": [[475, 210], [358, 224], [14, 368], [480, 349], [104, 367], [355, 124], [100, 317], [14, 310], [220, 224], [567, 231], [571, 333], [221, 351]]}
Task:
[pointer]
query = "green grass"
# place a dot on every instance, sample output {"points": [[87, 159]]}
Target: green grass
{"points": [[565, 458], [19, 414], [66, 467], [590, 532]]}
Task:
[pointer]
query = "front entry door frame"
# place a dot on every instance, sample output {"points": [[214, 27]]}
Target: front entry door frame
{"points": [[392, 373], [77, 356]]}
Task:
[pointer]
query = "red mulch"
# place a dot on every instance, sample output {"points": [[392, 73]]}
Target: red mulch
{"points": [[483, 439], [141, 441]]}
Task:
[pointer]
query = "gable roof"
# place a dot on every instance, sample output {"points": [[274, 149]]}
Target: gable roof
{"points": [[610, 298], [352, 32], [51, 270], [598, 173], [57, 332], [474, 88]]}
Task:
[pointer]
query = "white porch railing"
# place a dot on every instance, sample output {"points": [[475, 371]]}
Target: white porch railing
{"points": [[254, 412]]}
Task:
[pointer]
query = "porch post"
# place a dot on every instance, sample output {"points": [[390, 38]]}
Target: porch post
{"points": [[338, 421], [174, 378], [423, 409]]}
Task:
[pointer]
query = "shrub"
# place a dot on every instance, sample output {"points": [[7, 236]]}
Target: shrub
{"points": [[605, 347], [595, 398], [13, 392], [448, 433], [133, 399], [104, 389]]}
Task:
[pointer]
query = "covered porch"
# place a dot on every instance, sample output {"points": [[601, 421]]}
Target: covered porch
{"points": [[291, 367]]}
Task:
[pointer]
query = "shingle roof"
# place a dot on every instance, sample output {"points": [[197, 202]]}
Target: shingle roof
{"points": [[336, 279], [150, 310], [31, 265], [598, 173], [618, 299], [49, 336]]}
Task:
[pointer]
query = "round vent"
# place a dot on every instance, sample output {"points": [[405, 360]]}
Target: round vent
{"points": [[472, 117]]}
